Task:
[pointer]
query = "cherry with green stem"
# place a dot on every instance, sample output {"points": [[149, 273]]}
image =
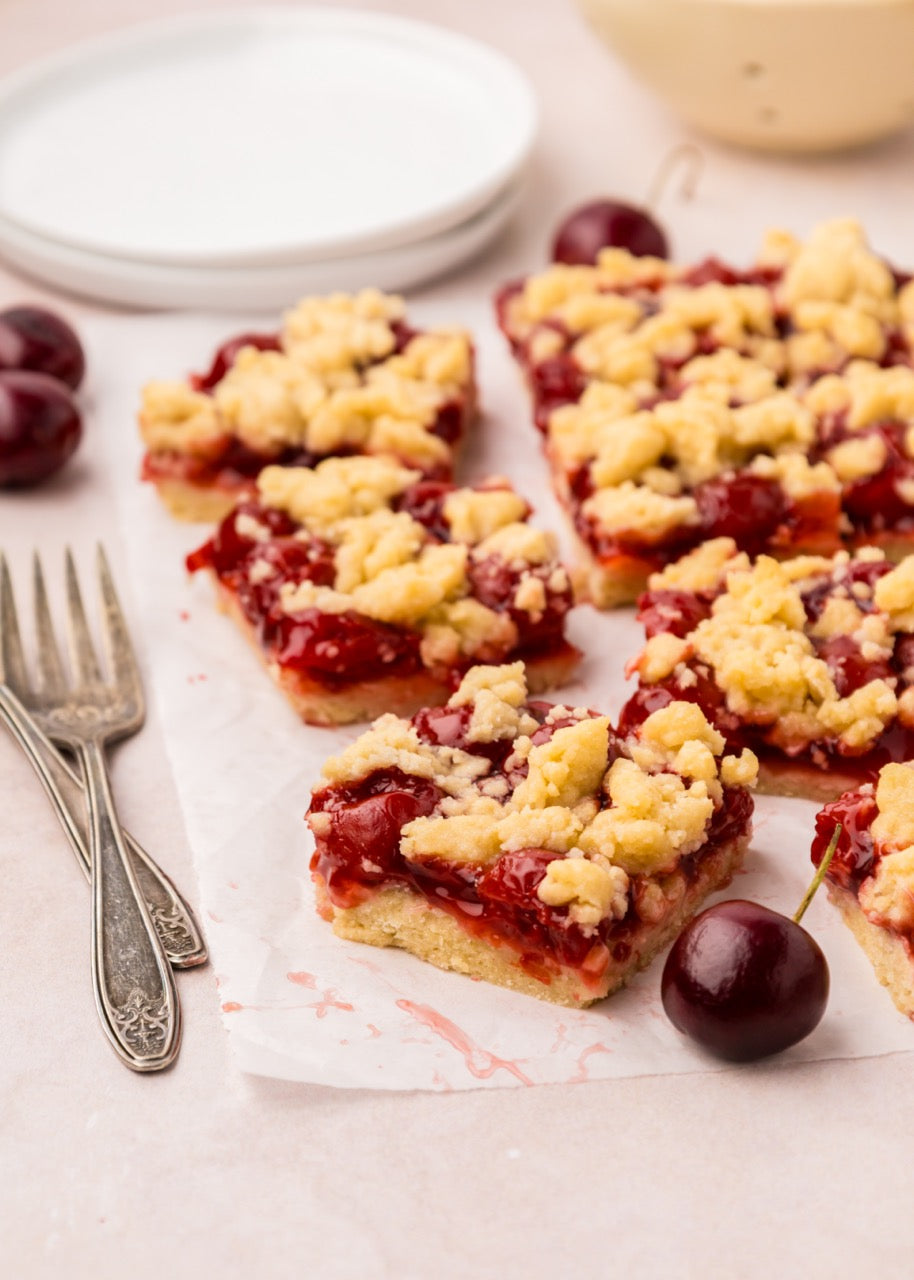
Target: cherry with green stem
{"points": [[746, 982]]}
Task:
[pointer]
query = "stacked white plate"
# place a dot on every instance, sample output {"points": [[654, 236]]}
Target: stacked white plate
{"points": [[238, 159]]}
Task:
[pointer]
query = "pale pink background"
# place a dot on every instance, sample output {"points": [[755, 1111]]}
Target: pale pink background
{"points": [[743, 1173]]}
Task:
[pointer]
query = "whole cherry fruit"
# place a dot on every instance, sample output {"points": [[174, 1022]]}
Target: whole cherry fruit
{"points": [[744, 981], [38, 340], [40, 427], [604, 224]]}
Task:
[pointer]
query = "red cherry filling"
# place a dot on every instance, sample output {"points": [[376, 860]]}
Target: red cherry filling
{"points": [[854, 858], [227, 354]]}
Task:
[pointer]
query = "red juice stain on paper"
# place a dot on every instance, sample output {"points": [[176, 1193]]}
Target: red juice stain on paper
{"points": [[582, 1071], [373, 1031], [331, 1000], [184, 615], [197, 679], [231, 1006], [302, 979], [479, 1062]]}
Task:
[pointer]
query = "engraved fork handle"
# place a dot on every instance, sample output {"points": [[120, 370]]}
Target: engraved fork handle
{"points": [[133, 983], [171, 916]]}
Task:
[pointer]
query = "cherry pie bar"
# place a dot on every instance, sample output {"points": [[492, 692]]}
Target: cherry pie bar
{"points": [[774, 406], [345, 375], [367, 588], [810, 661], [526, 843], [871, 876]]}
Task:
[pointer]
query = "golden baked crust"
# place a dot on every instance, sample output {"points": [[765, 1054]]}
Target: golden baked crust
{"points": [[575, 855], [398, 918], [889, 953]]}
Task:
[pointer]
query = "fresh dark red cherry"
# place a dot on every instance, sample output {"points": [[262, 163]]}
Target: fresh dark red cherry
{"points": [[40, 426], [604, 224], [745, 981], [35, 339]]}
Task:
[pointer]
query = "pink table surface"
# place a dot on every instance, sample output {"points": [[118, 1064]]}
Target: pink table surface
{"points": [[752, 1172]]}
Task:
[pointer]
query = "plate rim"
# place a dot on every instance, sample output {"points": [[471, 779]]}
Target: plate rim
{"points": [[39, 76]]}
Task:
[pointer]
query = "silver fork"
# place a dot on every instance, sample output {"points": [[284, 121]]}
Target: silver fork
{"points": [[132, 980], [173, 919]]}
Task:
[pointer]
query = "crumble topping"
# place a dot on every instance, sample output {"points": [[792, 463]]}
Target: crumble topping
{"points": [[612, 810], [778, 375], [387, 566], [337, 383], [765, 651], [887, 896]]}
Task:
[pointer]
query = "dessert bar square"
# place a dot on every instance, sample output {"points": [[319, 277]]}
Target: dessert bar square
{"points": [[526, 843], [345, 375], [774, 406], [366, 588], [871, 876], [810, 661]]}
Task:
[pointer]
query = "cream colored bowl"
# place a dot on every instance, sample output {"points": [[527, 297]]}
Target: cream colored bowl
{"points": [[793, 75]]}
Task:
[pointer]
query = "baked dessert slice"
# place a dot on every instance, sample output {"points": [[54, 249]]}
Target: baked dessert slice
{"points": [[366, 588], [774, 406], [810, 661], [871, 876], [526, 843], [345, 375]]}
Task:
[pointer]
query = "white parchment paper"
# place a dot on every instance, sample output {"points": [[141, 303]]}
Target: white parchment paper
{"points": [[299, 1003]]}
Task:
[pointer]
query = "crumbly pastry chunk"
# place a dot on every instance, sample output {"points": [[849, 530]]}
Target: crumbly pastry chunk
{"points": [[774, 405], [871, 876], [367, 588], [525, 843], [810, 661], [344, 375]]}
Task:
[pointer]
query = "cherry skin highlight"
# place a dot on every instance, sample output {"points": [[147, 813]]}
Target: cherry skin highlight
{"points": [[35, 339], [745, 982], [40, 427], [605, 224]]}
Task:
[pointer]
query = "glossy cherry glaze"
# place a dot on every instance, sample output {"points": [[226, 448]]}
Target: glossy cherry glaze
{"points": [[40, 427], [744, 981], [854, 858], [497, 901], [41, 341], [336, 649]]}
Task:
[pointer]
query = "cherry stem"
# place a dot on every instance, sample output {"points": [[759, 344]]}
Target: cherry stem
{"points": [[819, 876], [687, 155]]}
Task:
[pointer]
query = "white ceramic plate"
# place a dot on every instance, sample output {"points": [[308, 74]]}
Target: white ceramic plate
{"points": [[248, 288], [262, 135]]}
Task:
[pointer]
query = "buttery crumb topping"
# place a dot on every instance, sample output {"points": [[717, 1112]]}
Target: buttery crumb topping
{"points": [[614, 812], [687, 380], [887, 897], [767, 648], [337, 383], [389, 568]]}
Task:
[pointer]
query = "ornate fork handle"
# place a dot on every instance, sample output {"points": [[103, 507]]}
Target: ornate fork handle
{"points": [[171, 916], [134, 986]]}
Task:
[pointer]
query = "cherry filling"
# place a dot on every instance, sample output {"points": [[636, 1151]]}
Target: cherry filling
{"points": [[497, 902], [854, 858], [258, 550], [227, 354]]}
